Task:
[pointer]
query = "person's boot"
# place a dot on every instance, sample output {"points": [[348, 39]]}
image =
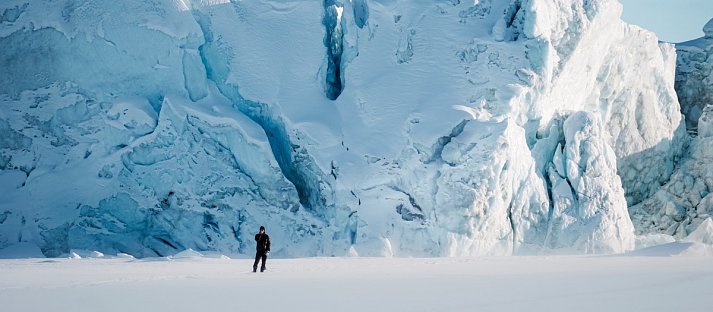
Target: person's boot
{"points": [[262, 269], [254, 269]]}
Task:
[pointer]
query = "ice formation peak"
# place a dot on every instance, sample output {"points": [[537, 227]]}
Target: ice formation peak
{"points": [[693, 69], [708, 29], [684, 203], [705, 123]]}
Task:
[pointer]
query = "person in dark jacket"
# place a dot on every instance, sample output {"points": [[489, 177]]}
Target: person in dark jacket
{"points": [[263, 249]]}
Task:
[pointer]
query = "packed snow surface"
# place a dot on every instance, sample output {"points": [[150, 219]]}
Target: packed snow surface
{"points": [[653, 281]]}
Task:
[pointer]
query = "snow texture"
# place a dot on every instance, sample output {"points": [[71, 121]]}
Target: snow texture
{"points": [[370, 128], [644, 282]]}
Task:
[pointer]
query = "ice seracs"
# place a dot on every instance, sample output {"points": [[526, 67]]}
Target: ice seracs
{"points": [[705, 123], [589, 209], [708, 29], [693, 71], [685, 202]]}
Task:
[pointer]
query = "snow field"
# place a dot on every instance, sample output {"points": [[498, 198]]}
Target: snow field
{"points": [[552, 283]]}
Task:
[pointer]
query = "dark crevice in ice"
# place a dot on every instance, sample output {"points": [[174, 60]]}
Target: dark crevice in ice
{"points": [[444, 140], [295, 163], [361, 12], [551, 201], [512, 226], [408, 214], [166, 242], [210, 223], [12, 14], [333, 40], [513, 21], [511, 12]]}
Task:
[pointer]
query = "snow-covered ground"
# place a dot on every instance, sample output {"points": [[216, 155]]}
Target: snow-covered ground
{"points": [[672, 277]]}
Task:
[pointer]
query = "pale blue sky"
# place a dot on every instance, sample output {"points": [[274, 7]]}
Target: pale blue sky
{"points": [[671, 20]]}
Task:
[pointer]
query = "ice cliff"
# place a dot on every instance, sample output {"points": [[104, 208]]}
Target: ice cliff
{"points": [[694, 82], [382, 127], [685, 202]]}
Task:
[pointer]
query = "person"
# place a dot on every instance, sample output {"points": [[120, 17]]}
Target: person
{"points": [[262, 248]]}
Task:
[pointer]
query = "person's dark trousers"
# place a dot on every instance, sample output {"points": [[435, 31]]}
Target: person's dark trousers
{"points": [[259, 255]]}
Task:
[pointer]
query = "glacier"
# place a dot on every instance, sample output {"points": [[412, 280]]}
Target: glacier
{"points": [[368, 127]]}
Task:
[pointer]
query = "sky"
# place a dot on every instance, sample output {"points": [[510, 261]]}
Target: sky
{"points": [[671, 20]]}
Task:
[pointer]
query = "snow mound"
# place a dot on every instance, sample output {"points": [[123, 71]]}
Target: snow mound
{"points": [[124, 256], [215, 255], [650, 240], [679, 248], [187, 254], [87, 253], [352, 252], [190, 254], [702, 234]]}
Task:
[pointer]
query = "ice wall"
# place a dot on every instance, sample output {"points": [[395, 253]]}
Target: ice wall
{"points": [[115, 138], [386, 128], [694, 84], [579, 54], [589, 211], [685, 202]]}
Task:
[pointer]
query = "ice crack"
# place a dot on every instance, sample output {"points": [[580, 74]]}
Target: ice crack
{"points": [[444, 140], [410, 214], [296, 164], [333, 40]]}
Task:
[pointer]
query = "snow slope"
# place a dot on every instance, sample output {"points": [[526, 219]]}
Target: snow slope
{"points": [[650, 282], [375, 128]]}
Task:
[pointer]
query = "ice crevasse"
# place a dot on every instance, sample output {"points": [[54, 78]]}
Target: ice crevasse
{"points": [[382, 128]]}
